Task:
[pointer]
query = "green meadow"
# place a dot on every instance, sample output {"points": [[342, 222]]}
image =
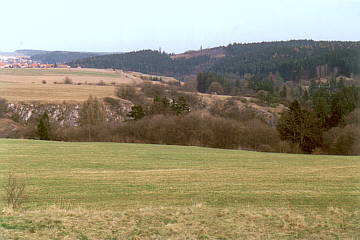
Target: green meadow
{"points": [[79, 190]]}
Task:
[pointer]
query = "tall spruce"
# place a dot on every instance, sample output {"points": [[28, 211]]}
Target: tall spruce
{"points": [[43, 128]]}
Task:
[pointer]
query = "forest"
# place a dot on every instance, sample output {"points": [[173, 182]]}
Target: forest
{"points": [[292, 60]]}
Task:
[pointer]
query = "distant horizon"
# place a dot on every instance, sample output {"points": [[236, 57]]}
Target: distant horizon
{"points": [[210, 47]]}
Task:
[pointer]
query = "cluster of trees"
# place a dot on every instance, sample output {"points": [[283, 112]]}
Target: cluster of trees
{"points": [[325, 119], [323, 110], [210, 82], [165, 115]]}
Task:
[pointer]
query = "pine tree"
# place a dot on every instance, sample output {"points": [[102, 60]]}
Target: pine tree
{"points": [[43, 127], [136, 113], [300, 126]]}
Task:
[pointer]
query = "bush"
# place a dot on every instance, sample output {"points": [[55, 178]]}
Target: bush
{"points": [[14, 191], [200, 129], [190, 86], [257, 135], [3, 107], [342, 141], [101, 83], [129, 92], [92, 112], [68, 80], [153, 90]]}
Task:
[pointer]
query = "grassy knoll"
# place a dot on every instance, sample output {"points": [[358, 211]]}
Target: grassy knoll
{"points": [[134, 191]]}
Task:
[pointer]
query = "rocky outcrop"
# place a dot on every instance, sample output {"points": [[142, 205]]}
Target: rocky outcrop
{"points": [[65, 114]]}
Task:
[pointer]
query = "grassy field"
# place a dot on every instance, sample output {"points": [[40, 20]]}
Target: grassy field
{"points": [[134, 191], [25, 85]]}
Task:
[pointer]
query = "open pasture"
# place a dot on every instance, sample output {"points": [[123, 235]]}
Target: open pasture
{"points": [[47, 85], [135, 191]]}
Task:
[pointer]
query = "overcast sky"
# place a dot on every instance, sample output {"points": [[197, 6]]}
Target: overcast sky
{"points": [[175, 26]]}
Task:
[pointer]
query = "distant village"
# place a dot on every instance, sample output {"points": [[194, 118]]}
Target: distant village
{"points": [[25, 62]]}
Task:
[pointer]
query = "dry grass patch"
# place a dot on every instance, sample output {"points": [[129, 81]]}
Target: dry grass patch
{"points": [[195, 222], [26, 85]]}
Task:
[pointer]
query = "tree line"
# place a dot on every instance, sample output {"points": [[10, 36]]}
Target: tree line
{"points": [[292, 60]]}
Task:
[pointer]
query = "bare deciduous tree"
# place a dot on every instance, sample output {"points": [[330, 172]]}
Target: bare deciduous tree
{"points": [[14, 191]]}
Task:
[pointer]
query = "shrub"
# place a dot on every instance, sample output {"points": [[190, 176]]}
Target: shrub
{"points": [[343, 141], [68, 80], [216, 88], [256, 134], [129, 92], [14, 191], [92, 112], [136, 113], [190, 86], [153, 90], [101, 83], [3, 107], [200, 129]]}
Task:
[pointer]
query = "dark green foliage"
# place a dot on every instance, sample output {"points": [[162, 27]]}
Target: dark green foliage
{"points": [[136, 113], [300, 126], [267, 97], [260, 82], [333, 101], [43, 128], [145, 61], [283, 92], [204, 80], [180, 106], [292, 60], [164, 105], [216, 87], [61, 56]]}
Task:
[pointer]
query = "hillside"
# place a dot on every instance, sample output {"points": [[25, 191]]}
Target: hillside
{"points": [[292, 60], [30, 52], [146, 61], [60, 57], [134, 191]]}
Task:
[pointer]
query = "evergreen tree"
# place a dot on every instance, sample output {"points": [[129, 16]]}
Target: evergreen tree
{"points": [[136, 113], [43, 128], [300, 126], [283, 92], [180, 106]]}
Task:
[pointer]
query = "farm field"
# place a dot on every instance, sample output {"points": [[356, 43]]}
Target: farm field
{"points": [[27, 85], [136, 191]]}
